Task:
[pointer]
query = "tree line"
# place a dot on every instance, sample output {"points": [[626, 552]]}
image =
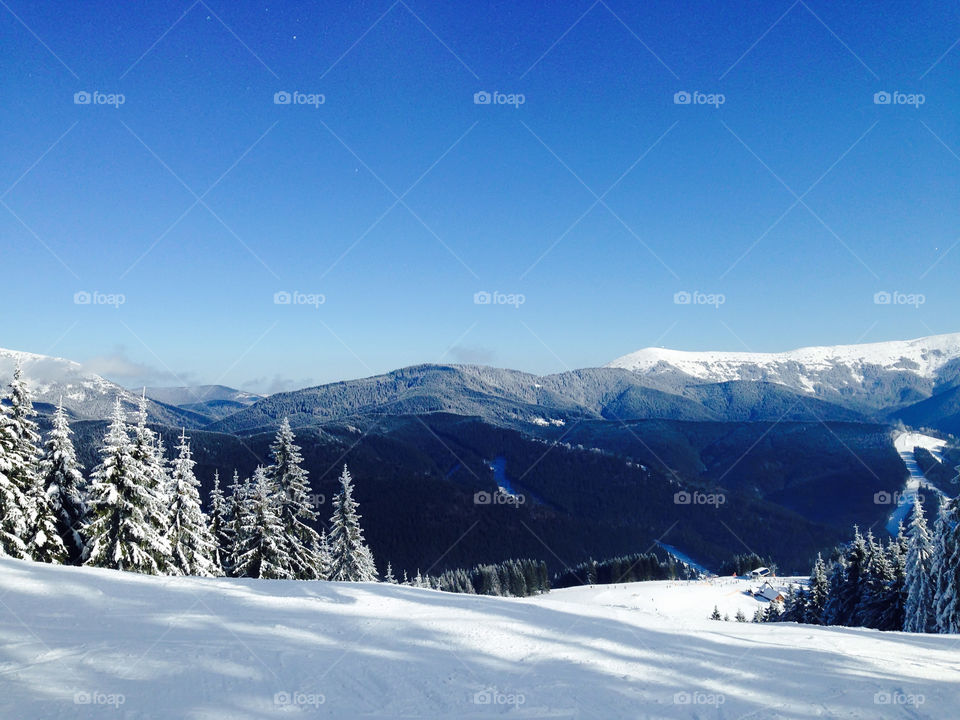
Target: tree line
{"points": [[139, 511], [910, 583]]}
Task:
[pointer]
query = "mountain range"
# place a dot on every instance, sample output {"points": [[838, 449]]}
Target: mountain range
{"points": [[799, 443]]}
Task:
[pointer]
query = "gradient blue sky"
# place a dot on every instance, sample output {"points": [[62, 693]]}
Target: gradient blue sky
{"points": [[496, 198]]}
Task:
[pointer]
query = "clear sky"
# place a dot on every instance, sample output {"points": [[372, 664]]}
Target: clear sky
{"points": [[787, 203]]}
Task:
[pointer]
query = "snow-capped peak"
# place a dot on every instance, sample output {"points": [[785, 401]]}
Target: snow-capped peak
{"points": [[801, 368]]}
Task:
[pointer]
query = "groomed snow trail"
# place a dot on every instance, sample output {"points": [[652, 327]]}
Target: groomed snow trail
{"points": [[905, 443], [83, 643]]}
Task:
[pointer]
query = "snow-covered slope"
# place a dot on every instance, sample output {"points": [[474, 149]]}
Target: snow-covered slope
{"points": [[81, 643], [838, 369]]}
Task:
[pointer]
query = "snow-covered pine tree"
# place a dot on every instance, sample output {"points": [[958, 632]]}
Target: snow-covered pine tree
{"points": [[836, 582], [891, 616], [947, 563], [191, 545], [43, 542], [715, 615], [919, 611], [324, 558], [819, 590], [740, 617], [13, 502], [876, 595], [238, 496], [63, 483], [292, 491], [260, 547], [388, 577], [220, 526], [148, 456], [121, 532], [351, 559], [855, 573]]}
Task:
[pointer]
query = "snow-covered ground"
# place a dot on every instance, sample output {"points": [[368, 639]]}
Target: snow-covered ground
{"points": [[905, 443], [81, 643]]}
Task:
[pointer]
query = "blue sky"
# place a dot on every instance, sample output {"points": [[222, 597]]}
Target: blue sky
{"points": [[598, 199]]}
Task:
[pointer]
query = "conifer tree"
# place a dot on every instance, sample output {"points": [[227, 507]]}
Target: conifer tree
{"points": [[324, 558], [239, 492], [289, 481], [919, 611], [148, 456], [63, 484], [191, 545], [122, 530], [819, 590], [947, 568], [260, 551], [220, 526], [351, 559]]}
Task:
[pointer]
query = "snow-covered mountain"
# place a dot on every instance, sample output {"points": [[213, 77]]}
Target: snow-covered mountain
{"points": [[86, 395], [878, 375]]}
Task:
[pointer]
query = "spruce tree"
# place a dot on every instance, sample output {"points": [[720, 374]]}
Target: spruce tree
{"points": [[289, 481], [63, 484], [819, 590], [388, 577], [947, 564], [260, 546], [13, 501], [324, 558], [919, 611], [351, 559], [191, 545], [148, 457], [122, 531], [220, 526], [239, 491]]}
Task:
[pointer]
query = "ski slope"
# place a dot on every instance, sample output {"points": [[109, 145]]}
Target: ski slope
{"points": [[905, 443], [83, 643]]}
